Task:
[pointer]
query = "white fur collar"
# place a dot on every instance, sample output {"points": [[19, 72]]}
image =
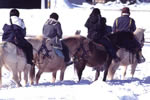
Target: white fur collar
{"points": [[17, 21]]}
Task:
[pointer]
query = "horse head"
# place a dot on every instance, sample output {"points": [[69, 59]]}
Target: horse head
{"points": [[74, 43], [139, 34]]}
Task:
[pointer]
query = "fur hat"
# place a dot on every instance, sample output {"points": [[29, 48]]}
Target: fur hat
{"points": [[126, 10], [14, 12], [54, 15]]}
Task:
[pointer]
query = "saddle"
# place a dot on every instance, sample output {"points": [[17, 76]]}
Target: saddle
{"points": [[45, 52]]}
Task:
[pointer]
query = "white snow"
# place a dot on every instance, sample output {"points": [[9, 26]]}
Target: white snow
{"points": [[72, 19]]}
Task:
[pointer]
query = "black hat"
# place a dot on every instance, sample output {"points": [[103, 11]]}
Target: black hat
{"points": [[14, 12], [54, 15]]}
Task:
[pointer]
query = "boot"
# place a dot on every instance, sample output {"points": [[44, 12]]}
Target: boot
{"points": [[140, 58]]}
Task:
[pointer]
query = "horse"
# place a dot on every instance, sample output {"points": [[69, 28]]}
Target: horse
{"points": [[13, 59], [50, 63], [95, 55], [127, 58]]}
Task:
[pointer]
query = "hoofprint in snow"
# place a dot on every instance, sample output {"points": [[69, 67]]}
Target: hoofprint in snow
{"points": [[72, 19]]}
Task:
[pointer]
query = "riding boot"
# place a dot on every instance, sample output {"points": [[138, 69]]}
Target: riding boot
{"points": [[140, 57], [65, 51]]}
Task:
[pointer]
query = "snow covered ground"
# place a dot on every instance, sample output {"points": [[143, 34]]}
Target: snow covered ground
{"points": [[73, 17]]}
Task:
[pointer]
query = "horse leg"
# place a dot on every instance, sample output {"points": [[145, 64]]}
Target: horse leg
{"points": [[97, 74], [133, 67], [124, 72], [54, 77], [32, 74], [16, 78], [79, 66], [62, 74], [112, 69], [26, 72], [38, 76], [0, 76]]}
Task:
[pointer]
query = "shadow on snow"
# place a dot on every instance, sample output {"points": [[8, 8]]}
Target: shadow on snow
{"points": [[65, 82]]}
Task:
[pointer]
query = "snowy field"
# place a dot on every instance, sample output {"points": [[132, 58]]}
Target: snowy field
{"points": [[73, 18]]}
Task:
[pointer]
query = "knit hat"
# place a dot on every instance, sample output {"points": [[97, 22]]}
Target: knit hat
{"points": [[54, 15], [126, 10], [14, 12], [96, 11]]}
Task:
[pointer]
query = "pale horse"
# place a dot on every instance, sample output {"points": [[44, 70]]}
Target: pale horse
{"points": [[13, 59], [127, 58]]}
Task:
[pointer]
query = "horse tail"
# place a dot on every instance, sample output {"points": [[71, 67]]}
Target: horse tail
{"points": [[79, 65]]}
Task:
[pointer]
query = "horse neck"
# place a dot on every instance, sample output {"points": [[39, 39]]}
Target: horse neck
{"points": [[36, 43], [73, 45]]}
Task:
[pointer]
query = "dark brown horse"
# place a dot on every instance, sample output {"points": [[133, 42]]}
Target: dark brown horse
{"points": [[96, 56]]}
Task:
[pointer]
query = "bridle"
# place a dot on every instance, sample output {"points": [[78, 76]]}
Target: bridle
{"points": [[44, 49], [84, 54]]}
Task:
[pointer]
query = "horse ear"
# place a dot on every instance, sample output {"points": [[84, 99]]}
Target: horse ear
{"points": [[77, 32]]}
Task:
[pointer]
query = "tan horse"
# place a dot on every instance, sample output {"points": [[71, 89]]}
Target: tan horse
{"points": [[54, 62], [126, 58], [14, 60], [46, 63]]}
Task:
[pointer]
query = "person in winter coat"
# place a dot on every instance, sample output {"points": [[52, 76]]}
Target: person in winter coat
{"points": [[96, 26], [126, 23], [93, 24], [52, 29], [15, 31], [106, 29]]}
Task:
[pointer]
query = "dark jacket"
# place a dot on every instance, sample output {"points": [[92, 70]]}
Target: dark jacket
{"points": [[13, 31], [93, 25], [124, 23], [15, 34], [105, 29]]}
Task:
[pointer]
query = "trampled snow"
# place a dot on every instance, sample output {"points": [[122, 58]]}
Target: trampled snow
{"points": [[73, 17]]}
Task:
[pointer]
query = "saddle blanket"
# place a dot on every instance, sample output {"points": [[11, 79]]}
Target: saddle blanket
{"points": [[59, 53]]}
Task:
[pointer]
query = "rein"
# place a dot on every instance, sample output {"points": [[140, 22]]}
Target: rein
{"points": [[44, 48]]}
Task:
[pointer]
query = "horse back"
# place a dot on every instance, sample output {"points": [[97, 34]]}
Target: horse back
{"points": [[11, 48]]}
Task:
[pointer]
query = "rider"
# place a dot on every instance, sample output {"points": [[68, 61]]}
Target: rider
{"points": [[96, 26], [52, 29], [93, 24], [126, 23], [15, 31]]}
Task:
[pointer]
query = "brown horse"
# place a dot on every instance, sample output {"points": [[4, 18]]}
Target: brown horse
{"points": [[95, 55], [50, 63], [127, 58]]}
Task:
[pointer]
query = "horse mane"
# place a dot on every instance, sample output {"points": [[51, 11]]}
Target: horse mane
{"points": [[75, 37]]}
